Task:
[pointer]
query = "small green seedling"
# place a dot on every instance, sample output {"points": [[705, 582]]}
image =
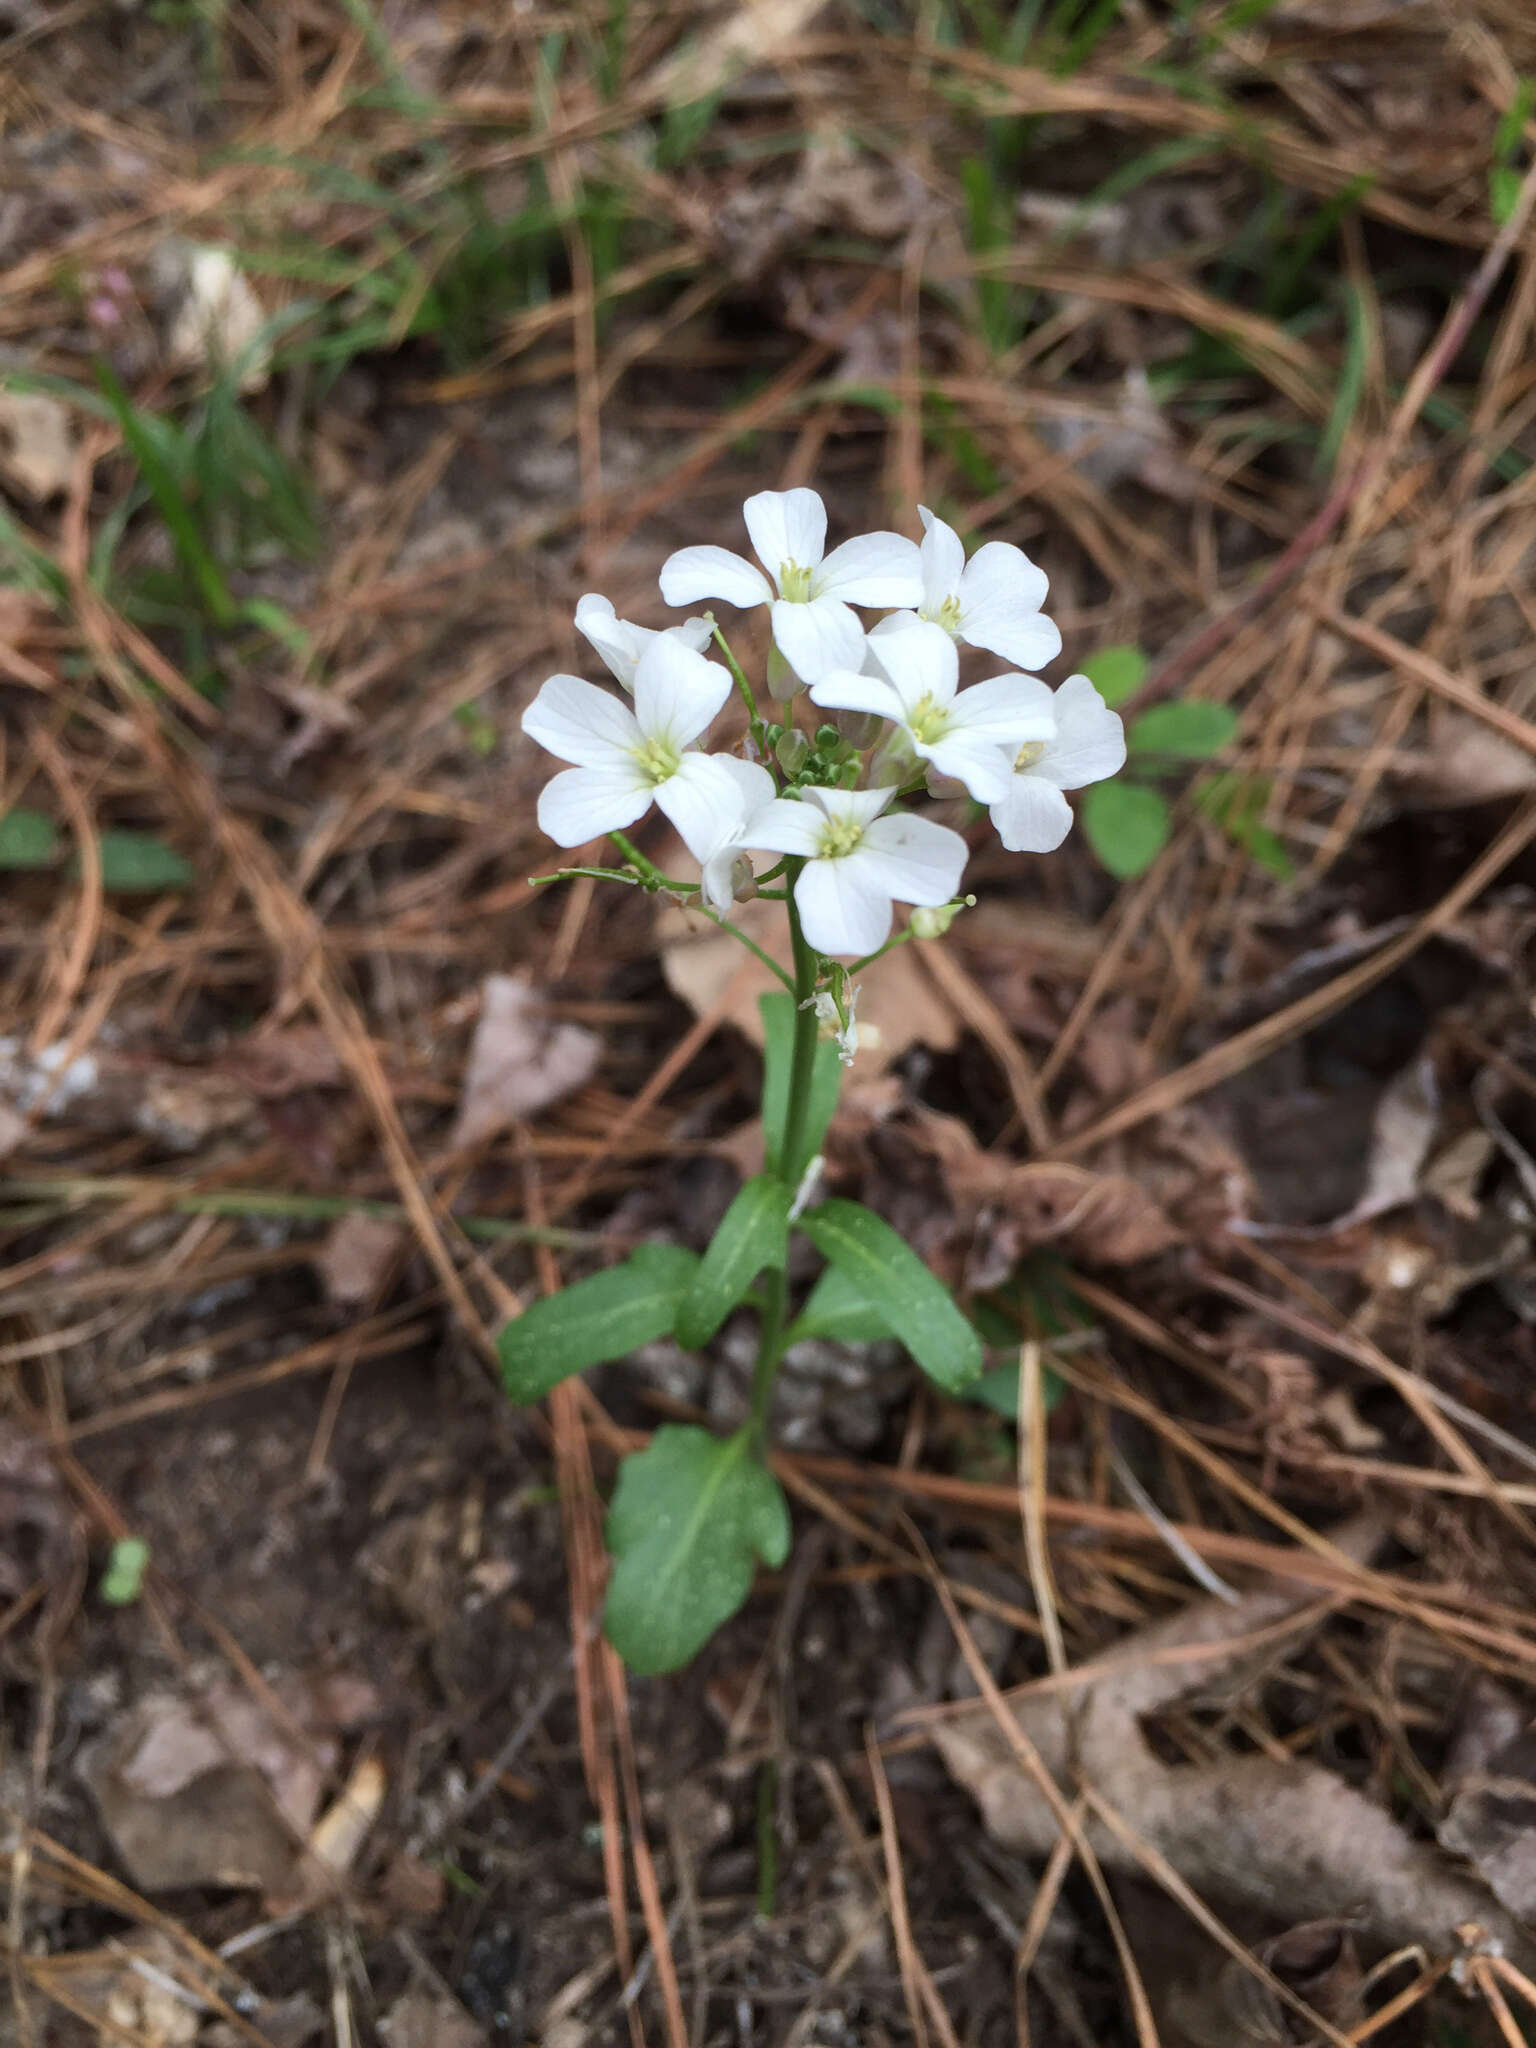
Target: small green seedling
{"points": [[123, 1580], [1128, 820]]}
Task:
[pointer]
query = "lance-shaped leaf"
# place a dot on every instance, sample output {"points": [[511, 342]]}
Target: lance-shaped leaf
{"points": [[753, 1233], [919, 1309], [605, 1317]]}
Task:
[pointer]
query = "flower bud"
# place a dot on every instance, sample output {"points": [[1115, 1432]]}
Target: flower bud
{"points": [[942, 787], [933, 923], [792, 751], [859, 728], [743, 881], [783, 683]]}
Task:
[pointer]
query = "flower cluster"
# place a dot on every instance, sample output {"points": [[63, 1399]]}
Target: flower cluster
{"points": [[832, 811]]}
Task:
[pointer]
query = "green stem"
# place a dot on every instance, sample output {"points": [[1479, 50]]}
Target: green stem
{"points": [[742, 684], [770, 1342]]}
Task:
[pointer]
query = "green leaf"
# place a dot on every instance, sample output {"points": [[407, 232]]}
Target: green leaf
{"points": [[1193, 728], [999, 1390], [28, 839], [1116, 672], [1127, 826], [604, 1317], [123, 1580], [753, 1233], [138, 864], [1504, 183], [690, 1516], [778, 1012], [1237, 802], [836, 1308], [918, 1308]]}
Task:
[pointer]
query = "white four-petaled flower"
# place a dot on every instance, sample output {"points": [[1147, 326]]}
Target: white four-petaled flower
{"points": [[621, 643], [625, 759], [991, 601], [810, 591], [857, 863], [960, 732], [1088, 743]]}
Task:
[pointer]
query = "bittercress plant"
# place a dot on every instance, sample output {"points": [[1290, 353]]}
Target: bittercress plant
{"points": [[819, 816]]}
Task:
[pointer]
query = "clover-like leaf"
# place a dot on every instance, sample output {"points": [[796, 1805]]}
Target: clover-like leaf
{"points": [[1127, 826]]}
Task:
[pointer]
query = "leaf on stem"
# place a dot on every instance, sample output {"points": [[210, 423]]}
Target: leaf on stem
{"points": [[919, 1309], [753, 1233], [778, 1012], [602, 1318], [836, 1308], [691, 1515]]}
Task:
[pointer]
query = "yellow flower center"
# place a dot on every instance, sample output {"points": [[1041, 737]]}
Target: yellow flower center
{"points": [[946, 615], [928, 721], [659, 760], [794, 582], [839, 836], [1027, 756]]}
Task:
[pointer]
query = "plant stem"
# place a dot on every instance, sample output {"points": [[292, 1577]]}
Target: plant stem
{"points": [[770, 1340]]}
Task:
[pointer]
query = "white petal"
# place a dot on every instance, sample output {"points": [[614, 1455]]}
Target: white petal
{"points": [[873, 568], [752, 785], [579, 722], [1089, 742], [913, 859], [677, 692], [694, 573], [817, 637], [583, 803], [787, 526], [893, 622], [695, 633], [856, 805], [701, 799], [1001, 594], [1034, 817], [1008, 710], [842, 690], [984, 769], [921, 662], [842, 908], [784, 826], [715, 879], [943, 554], [615, 639]]}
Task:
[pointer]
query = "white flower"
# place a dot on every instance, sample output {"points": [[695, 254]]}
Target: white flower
{"points": [[960, 732], [857, 862], [750, 789], [626, 759], [992, 601], [620, 643], [812, 625], [1089, 743]]}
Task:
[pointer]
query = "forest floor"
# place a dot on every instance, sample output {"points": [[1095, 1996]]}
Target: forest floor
{"points": [[341, 350]]}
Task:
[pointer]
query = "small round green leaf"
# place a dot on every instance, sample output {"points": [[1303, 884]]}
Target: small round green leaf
{"points": [[138, 864], [691, 1515], [1127, 826], [1192, 729], [28, 839], [123, 1580], [1116, 672]]}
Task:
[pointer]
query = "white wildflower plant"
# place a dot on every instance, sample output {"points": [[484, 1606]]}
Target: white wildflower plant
{"points": [[820, 818]]}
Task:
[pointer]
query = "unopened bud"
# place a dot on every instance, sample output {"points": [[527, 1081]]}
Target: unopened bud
{"points": [[942, 787], [860, 728], [743, 881], [783, 683], [792, 751], [933, 923]]}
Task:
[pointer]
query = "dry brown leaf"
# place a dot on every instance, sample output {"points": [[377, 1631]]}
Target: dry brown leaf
{"points": [[1281, 1838], [37, 449], [1491, 1819], [521, 1060], [209, 1789], [897, 1005], [355, 1259], [422, 2019]]}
